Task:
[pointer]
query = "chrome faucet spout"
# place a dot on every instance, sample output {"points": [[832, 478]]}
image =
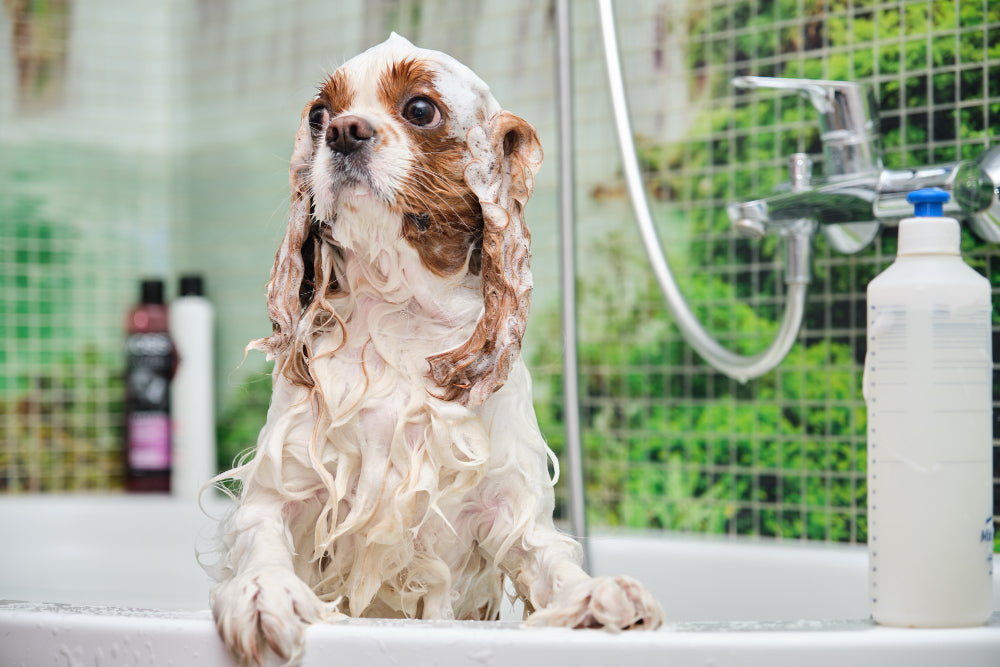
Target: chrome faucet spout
{"points": [[829, 204]]}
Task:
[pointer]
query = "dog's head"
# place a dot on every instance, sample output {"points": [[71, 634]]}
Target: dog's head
{"points": [[403, 142]]}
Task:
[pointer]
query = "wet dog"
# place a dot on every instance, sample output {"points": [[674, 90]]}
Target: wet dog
{"points": [[401, 471]]}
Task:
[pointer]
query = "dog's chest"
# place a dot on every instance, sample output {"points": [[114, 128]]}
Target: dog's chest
{"points": [[400, 459], [400, 311], [395, 314]]}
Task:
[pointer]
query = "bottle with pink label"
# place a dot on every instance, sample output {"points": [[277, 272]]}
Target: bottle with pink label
{"points": [[150, 367]]}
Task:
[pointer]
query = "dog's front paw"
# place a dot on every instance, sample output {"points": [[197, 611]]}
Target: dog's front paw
{"points": [[266, 608], [611, 603]]}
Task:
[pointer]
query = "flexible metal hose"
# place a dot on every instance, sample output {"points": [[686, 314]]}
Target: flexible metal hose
{"points": [[737, 366]]}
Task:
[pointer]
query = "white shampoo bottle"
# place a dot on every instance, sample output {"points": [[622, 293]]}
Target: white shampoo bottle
{"points": [[193, 391], [928, 390]]}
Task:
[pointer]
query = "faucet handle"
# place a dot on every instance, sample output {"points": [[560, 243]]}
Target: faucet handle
{"points": [[848, 120], [819, 92]]}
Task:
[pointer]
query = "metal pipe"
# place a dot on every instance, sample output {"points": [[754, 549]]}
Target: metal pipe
{"points": [[739, 367], [571, 391]]}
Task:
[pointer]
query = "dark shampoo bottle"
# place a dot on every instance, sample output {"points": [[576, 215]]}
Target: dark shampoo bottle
{"points": [[151, 362]]}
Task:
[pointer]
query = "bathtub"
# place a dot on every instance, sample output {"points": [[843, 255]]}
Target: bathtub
{"points": [[114, 581]]}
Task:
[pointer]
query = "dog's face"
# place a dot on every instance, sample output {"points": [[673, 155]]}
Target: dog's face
{"points": [[403, 143], [390, 129]]}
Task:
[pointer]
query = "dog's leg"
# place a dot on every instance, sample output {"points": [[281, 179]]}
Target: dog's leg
{"points": [[261, 603], [515, 527], [544, 565]]}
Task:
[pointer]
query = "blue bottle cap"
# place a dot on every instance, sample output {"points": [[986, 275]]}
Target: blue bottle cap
{"points": [[928, 202]]}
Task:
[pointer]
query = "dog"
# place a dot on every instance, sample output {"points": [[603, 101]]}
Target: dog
{"points": [[401, 472]]}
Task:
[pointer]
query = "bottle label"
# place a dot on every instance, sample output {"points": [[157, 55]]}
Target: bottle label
{"points": [[986, 539], [149, 441], [928, 389], [150, 365], [928, 383]]}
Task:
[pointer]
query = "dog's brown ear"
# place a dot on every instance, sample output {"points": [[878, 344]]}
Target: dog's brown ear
{"points": [[506, 155], [285, 287]]}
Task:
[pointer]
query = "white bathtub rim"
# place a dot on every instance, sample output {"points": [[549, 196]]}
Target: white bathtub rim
{"points": [[42, 610], [30, 631]]}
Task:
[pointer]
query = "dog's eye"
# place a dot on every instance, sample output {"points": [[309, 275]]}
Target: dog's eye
{"points": [[421, 112], [317, 117]]}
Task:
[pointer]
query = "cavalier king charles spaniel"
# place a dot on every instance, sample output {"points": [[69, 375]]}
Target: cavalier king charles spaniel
{"points": [[401, 472]]}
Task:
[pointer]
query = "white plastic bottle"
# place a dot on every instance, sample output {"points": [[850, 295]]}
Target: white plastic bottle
{"points": [[928, 389], [192, 391]]}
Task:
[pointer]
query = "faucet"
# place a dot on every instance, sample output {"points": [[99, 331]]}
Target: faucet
{"points": [[856, 195]]}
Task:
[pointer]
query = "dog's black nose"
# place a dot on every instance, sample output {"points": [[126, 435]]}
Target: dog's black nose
{"points": [[348, 133]]}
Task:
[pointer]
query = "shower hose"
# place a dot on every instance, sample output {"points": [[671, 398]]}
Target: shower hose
{"points": [[798, 239]]}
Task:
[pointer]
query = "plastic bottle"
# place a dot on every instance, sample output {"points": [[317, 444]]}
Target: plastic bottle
{"points": [[191, 321], [150, 366], [928, 389]]}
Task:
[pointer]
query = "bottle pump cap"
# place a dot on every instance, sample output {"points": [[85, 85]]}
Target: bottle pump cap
{"points": [[928, 232], [928, 202]]}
